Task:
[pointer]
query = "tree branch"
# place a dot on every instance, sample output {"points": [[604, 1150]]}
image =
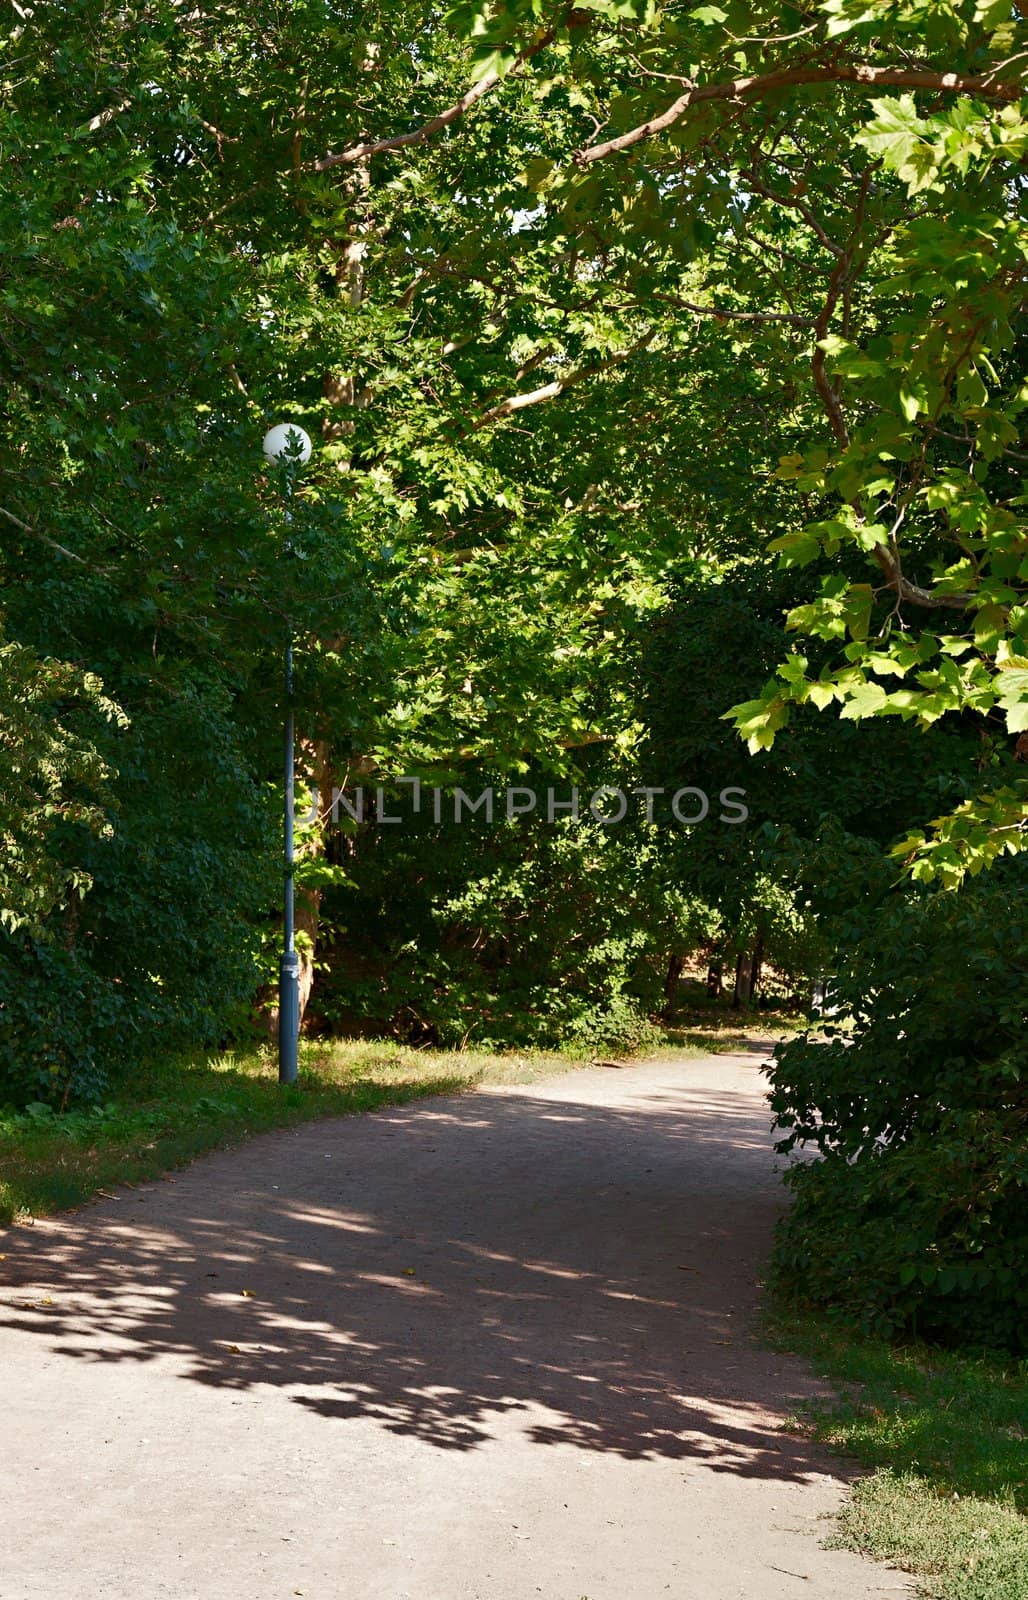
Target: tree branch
{"points": [[794, 203], [765, 83], [550, 391], [434, 125], [887, 559], [725, 314], [44, 538], [102, 118], [913, 592]]}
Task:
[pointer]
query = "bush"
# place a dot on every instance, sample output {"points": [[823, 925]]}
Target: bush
{"points": [[914, 1217], [161, 953], [619, 1024], [530, 935], [54, 1011], [928, 1238]]}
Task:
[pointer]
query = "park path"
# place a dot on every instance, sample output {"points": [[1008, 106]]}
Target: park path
{"points": [[489, 1347]]}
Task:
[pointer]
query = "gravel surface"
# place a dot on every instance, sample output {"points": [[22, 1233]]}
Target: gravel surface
{"points": [[487, 1347]]}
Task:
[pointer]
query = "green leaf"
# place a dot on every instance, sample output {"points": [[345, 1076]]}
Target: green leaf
{"points": [[897, 136], [992, 13], [863, 700], [912, 400], [822, 694], [796, 549]]}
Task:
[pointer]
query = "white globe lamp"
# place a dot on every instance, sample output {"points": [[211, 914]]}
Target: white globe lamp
{"points": [[286, 442]]}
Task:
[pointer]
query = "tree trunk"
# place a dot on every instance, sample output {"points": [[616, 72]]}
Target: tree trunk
{"points": [[674, 972], [758, 966], [743, 982], [715, 980]]}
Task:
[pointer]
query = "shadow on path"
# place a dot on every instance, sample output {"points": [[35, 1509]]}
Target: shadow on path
{"points": [[432, 1268]]}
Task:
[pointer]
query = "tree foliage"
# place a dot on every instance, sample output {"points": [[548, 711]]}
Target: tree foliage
{"points": [[587, 309]]}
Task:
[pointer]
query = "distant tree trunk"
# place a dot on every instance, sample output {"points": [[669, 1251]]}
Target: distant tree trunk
{"points": [[715, 980], [758, 966], [743, 982], [674, 972], [308, 920]]}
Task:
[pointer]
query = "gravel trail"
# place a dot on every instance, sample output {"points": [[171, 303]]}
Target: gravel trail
{"points": [[488, 1347]]}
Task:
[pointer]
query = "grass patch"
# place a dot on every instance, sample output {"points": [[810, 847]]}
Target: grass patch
{"points": [[715, 1034], [170, 1112], [947, 1432], [960, 1549]]}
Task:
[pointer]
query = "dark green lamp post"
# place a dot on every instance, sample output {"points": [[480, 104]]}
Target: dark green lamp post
{"points": [[288, 447]]}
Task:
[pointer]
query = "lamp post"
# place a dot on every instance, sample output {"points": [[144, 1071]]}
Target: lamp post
{"points": [[288, 447]]}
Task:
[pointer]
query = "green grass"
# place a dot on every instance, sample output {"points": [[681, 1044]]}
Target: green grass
{"points": [[947, 1433], [171, 1112], [719, 1036]]}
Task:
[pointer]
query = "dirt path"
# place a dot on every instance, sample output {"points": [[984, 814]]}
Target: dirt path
{"points": [[484, 1348]]}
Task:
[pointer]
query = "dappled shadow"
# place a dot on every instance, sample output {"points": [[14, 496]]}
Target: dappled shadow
{"points": [[434, 1268]]}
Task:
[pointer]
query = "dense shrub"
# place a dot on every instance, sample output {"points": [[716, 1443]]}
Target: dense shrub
{"points": [[526, 935], [161, 952], [915, 1214], [55, 1012]]}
